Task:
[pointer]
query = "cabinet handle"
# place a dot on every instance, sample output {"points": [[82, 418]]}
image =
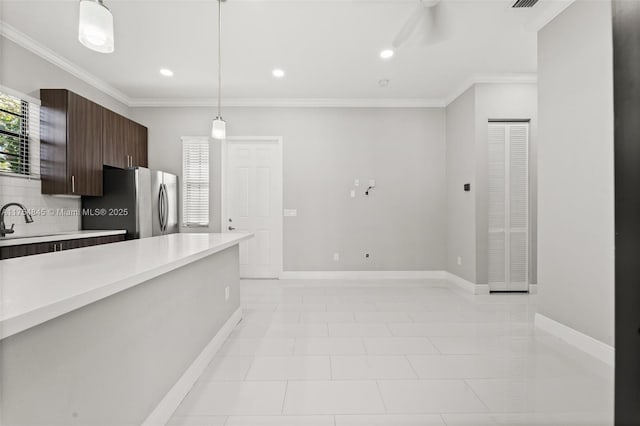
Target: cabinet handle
{"points": [[73, 184]]}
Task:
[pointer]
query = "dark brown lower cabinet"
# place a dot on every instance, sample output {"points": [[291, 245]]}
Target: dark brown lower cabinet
{"points": [[10, 252]]}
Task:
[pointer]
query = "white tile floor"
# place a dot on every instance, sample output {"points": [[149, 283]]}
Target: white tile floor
{"points": [[393, 353]]}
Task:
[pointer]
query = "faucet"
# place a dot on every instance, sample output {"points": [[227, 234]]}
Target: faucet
{"points": [[3, 229]]}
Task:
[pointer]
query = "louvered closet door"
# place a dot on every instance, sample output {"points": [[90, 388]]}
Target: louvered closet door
{"points": [[508, 206]]}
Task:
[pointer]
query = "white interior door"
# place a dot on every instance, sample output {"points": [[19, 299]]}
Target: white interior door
{"points": [[252, 202], [508, 206]]}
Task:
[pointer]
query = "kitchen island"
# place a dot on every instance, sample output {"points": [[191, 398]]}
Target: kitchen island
{"points": [[113, 334]]}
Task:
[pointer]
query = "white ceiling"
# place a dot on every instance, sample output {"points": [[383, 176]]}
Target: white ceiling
{"points": [[328, 48]]}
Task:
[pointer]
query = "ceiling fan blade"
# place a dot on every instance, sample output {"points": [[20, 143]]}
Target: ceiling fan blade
{"points": [[433, 30], [423, 14], [410, 26]]}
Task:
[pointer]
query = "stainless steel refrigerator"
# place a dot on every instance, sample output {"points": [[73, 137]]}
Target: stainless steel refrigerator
{"points": [[142, 201]]}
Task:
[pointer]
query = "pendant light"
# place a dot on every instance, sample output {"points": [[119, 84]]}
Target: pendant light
{"points": [[219, 127], [95, 27]]}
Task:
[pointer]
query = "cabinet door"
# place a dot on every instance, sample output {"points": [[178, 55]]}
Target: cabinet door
{"points": [[84, 146], [53, 141], [137, 144], [114, 139], [74, 244], [110, 239], [10, 252], [141, 156]]}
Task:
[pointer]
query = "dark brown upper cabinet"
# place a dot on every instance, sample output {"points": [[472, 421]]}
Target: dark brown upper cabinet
{"points": [[137, 145], [78, 137], [71, 144], [114, 149], [124, 143]]}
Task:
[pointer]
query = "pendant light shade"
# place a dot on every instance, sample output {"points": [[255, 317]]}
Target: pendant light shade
{"points": [[95, 29], [219, 129]]}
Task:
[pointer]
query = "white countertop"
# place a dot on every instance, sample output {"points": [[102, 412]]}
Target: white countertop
{"points": [[35, 289], [16, 240]]}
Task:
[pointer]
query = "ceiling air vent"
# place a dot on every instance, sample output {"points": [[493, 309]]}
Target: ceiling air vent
{"points": [[524, 3]]}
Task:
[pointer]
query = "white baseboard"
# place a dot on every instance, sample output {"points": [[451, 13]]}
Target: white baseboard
{"points": [[467, 286], [164, 410], [585, 343], [533, 288], [360, 275]]}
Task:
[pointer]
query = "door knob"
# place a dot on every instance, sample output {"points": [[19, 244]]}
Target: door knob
{"points": [[231, 228]]}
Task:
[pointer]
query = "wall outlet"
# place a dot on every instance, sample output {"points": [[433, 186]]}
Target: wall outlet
{"points": [[459, 260], [372, 182], [367, 255], [226, 293], [356, 182], [336, 256], [353, 193]]}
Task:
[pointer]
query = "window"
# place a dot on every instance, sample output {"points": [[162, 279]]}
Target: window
{"points": [[19, 136], [195, 181]]}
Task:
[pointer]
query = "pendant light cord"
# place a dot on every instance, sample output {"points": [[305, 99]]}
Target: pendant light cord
{"points": [[220, 58]]}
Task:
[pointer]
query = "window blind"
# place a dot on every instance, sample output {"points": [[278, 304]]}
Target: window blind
{"points": [[195, 181], [19, 136]]}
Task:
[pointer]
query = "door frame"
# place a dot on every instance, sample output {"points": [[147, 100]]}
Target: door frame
{"points": [[626, 95], [223, 189]]}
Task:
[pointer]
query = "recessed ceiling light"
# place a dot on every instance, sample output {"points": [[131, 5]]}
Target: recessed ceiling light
{"points": [[166, 72], [387, 54], [384, 82], [278, 73]]}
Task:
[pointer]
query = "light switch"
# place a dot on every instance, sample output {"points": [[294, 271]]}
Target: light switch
{"points": [[290, 212]]}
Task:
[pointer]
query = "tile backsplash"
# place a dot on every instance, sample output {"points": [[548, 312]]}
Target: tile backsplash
{"points": [[50, 213]]}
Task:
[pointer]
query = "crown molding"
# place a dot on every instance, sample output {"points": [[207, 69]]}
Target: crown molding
{"points": [[49, 55], [491, 79], [23, 40], [290, 103]]}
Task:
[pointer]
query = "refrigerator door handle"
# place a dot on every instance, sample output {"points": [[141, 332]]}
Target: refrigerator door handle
{"points": [[165, 195], [165, 209], [161, 208]]}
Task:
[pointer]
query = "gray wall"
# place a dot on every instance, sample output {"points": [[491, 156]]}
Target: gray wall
{"points": [[576, 181], [402, 224], [467, 153], [503, 101], [461, 206], [111, 362], [27, 73]]}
